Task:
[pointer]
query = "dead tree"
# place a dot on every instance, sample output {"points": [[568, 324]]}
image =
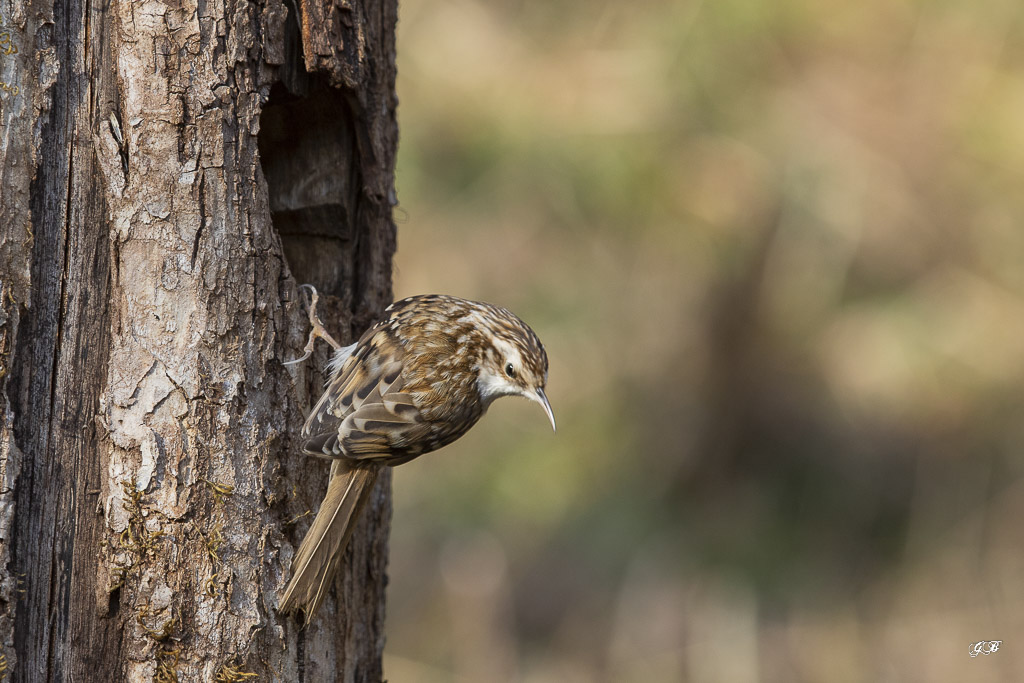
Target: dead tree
{"points": [[169, 171]]}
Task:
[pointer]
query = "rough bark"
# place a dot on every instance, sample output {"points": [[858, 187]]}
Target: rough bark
{"points": [[169, 170]]}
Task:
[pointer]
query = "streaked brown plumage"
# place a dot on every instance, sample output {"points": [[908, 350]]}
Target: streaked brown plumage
{"points": [[414, 382]]}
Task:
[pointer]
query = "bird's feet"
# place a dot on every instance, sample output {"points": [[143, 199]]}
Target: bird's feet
{"points": [[316, 327]]}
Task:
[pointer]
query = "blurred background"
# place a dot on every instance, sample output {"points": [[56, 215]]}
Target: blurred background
{"points": [[775, 252]]}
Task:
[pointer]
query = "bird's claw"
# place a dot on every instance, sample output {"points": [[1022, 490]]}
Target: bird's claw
{"points": [[316, 327]]}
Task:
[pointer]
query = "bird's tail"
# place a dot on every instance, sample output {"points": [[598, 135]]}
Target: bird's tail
{"points": [[319, 555]]}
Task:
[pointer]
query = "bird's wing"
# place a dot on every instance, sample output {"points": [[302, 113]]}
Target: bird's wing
{"points": [[352, 368], [364, 412]]}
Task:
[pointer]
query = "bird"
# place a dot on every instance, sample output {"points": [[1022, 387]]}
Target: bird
{"points": [[414, 382]]}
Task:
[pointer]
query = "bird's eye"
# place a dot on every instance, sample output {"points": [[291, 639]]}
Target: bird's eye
{"points": [[510, 370]]}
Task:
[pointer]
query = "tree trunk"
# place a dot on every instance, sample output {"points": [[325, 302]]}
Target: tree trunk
{"points": [[169, 170]]}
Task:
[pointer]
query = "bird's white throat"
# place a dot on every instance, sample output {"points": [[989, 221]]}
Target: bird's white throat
{"points": [[492, 386]]}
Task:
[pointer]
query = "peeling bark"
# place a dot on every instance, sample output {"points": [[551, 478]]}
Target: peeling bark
{"points": [[168, 173]]}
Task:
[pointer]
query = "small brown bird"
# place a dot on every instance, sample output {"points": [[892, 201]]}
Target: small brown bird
{"points": [[414, 382]]}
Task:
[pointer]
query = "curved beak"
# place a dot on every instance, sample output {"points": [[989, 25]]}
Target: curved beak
{"points": [[541, 398]]}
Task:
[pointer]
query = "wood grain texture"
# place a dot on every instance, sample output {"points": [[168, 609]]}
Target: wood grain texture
{"points": [[152, 489]]}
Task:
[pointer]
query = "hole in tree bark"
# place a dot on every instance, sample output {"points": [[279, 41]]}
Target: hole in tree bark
{"points": [[309, 158], [113, 602]]}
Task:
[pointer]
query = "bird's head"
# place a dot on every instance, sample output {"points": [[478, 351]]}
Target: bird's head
{"points": [[514, 362]]}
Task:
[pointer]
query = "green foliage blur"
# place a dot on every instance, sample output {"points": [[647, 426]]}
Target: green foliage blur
{"points": [[776, 253]]}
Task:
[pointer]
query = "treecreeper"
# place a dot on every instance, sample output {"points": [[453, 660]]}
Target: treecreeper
{"points": [[415, 381]]}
